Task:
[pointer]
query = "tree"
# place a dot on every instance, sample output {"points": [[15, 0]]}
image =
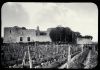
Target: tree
{"points": [[74, 36], [53, 35], [88, 36], [61, 34]]}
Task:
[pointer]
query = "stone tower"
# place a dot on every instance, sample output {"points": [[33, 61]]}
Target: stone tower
{"points": [[37, 31]]}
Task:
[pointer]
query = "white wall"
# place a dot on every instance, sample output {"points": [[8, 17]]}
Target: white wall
{"points": [[84, 41]]}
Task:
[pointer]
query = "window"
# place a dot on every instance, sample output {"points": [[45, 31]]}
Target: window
{"points": [[28, 38], [21, 38], [10, 31], [42, 33]]}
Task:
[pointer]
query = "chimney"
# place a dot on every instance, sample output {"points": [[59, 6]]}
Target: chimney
{"points": [[37, 28], [37, 31]]}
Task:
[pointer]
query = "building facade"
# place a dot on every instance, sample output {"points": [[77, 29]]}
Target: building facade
{"points": [[84, 40], [21, 34]]}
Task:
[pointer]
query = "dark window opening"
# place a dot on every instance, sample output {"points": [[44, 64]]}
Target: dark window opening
{"points": [[10, 31], [28, 38], [37, 33], [42, 33], [21, 38]]}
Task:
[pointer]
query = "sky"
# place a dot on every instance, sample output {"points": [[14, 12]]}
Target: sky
{"points": [[80, 17]]}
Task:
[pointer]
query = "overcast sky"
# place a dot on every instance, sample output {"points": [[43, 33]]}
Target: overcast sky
{"points": [[81, 17]]}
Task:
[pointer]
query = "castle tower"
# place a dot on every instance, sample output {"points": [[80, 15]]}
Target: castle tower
{"points": [[38, 28], [37, 31]]}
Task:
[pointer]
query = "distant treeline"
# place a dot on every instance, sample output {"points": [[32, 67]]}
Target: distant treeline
{"points": [[65, 34]]}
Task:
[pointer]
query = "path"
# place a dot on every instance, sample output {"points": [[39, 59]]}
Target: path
{"points": [[66, 64], [76, 61]]}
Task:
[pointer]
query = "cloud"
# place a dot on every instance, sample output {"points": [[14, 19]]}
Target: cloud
{"points": [[13, 14]]}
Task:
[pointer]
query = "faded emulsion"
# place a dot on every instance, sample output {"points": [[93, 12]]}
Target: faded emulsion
{"points": [[49, 35]]}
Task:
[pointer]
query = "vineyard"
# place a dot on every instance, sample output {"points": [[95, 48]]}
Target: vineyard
{"points": [[44, 55]]}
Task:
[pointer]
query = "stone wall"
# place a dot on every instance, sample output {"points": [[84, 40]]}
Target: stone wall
{"points": [[84, 41], [13, 35]]}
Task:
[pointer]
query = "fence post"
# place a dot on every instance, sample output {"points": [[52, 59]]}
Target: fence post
{"points": [[30, 61], [69, 55], [23, 63], [57, 48], [82, 45]]}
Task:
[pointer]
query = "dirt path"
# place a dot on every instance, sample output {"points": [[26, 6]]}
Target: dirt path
{"points": [[91, 60], [66, 64], [87, 59], [77, 61]]}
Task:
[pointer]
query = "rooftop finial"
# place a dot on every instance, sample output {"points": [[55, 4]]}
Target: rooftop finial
{"points": [[37, 27]]}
